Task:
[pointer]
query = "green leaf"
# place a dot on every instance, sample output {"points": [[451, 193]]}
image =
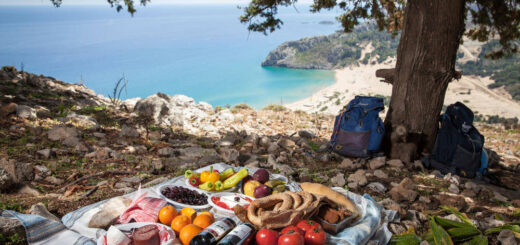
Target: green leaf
{"points": [[448, 224], [463, 234], [511, 226], [461, 216], [440, 236], [405, 239], [478, 240]]}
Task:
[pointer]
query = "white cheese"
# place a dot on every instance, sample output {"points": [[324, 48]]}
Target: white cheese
{"points": [[117, 237]]}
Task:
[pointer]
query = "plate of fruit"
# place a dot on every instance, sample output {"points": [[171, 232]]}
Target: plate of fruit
{"points": [[224, 202], [213, 180], [262, 184], [184, 197]]}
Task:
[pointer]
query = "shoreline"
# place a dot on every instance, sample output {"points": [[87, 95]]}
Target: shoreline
{"points": [[361, 80]]}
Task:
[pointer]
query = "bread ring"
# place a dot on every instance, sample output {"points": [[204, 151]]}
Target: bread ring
{"points": [[297, 200], [263, 204], [307, 199], [277, 206]]}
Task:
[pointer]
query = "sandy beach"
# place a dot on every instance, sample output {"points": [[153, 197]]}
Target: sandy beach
{"points": [[361, 80]]}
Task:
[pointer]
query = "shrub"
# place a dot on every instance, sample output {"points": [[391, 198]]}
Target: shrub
{"points": [[274, 107]]}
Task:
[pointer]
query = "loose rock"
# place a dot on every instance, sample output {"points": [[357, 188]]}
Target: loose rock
{"points": [[40, 209], [404, 191], [380, 174], [166, 152], [348, 164], [6, 180], [453, 189], [377, 187], [338, 180], [26, 112], [60, 133], [396, 163], [507, 237], [358, 178], [376, 163]]}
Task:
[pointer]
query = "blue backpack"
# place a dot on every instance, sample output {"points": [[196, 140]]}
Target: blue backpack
{"points": [[459, 148], [358, 130]]}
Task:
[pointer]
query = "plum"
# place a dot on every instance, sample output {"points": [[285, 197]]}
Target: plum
{"points": [[263, 191], [261, 175]]}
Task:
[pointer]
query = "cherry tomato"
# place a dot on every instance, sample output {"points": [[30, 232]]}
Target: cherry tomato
{"points": [[306, 225], [293, 228], [267, 237], [291, 238], [315, 237]]}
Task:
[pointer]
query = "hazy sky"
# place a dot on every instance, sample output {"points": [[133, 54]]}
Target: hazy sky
{"points": [[96, 2]]}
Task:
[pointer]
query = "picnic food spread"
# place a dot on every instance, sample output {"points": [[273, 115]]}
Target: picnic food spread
{"points": [[241, 209]]}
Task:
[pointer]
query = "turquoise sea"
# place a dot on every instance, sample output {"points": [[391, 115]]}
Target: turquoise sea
{"points": [[202, 51]]}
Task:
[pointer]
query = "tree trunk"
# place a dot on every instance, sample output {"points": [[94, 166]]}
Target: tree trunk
{"points": [[426, 55]]}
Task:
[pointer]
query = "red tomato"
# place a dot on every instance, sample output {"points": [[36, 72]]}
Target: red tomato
{"points": [[306, 225], [315, 237], [266, 237], [291, 238], [293, 228]]}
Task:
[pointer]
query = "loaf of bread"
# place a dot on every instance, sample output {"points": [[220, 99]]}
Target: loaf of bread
{"points": [[331, 195]]}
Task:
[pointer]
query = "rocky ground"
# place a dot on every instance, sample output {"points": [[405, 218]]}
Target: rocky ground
{"points": [[63, 147]]}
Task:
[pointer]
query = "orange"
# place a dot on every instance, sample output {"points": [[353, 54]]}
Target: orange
{"points": [[179, 222], [203, 220], [208, 214], [167, 214], [188, 232], [189, 212]]}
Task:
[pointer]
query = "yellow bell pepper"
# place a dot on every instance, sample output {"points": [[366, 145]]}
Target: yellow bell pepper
{"points": [[205, 175]]}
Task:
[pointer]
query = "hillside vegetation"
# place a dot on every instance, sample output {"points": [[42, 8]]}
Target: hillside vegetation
{"points": [[505, 71], [366, 45]]}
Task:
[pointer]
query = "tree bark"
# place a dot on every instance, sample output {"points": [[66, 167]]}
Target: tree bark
{"points": [[426, 56]]}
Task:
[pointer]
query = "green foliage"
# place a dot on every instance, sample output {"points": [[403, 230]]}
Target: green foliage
{"points": [[274, 107], [12, 206], [314, 146], [130, 6], [515, 227], [115, 98], [505, 71], [12, 239], [64, 109], [488, 17], [508, 123], [408, 238], [440, 236], [340, 50], [239, 107]]}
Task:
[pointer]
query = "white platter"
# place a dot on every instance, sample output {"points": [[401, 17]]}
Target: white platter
{"points": [[182, 205], [224, 211]]}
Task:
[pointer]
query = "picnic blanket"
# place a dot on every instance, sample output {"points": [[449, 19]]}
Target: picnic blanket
{"points": [[372, 227]]}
